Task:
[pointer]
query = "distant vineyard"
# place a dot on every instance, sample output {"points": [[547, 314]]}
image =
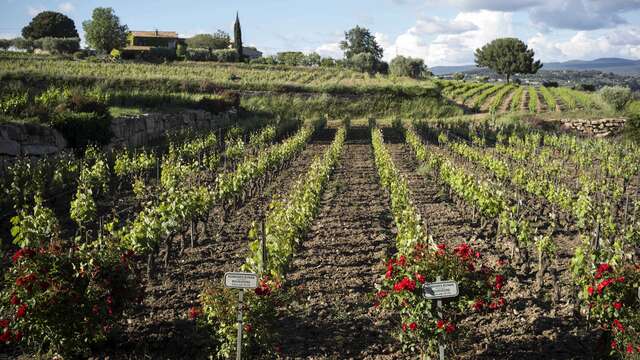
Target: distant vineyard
{"points": [[490, 97]]}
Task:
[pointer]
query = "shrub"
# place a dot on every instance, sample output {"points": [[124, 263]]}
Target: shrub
{"points": [[550, 84], [13, 104], [226, 55], [79, 55], [612, 296], [82, 129], [632, 126], [198, 55], [616, 96], [407, 66], [423, 326], [23, 44], [63, 299], [5, 44], [586, 87], [218, 315], [58, 45], [181, 51]]}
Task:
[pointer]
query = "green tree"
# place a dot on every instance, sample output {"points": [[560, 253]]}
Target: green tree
{"points": [[360, 40], [5, 44], [407, 66], [104, 32], [312, 59], [507, 56], [363, 62], [219, 40], [50, 24], [290, 58], [237, 37]]}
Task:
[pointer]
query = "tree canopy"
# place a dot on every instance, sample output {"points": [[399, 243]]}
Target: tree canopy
{"points": [[408, 66], [104, 32], [219, 40], [237, 37], [507, 56], [360, 40], [50, 24]]}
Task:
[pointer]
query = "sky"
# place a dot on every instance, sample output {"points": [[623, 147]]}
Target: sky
{"points": [[440, 32]]}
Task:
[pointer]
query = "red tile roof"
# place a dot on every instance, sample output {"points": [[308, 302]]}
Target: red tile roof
{"points": [[155, 34]]}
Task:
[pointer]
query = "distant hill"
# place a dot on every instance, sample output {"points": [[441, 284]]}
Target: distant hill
{"points": [[613, 65]]}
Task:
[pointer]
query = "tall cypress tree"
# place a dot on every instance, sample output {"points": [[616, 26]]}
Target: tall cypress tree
{"points": [[237, 37]]}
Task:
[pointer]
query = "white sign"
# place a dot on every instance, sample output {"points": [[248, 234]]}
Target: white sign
{"points": [[240, 280], [440, 290]]}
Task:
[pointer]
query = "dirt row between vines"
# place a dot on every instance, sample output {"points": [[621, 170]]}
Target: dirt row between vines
{"points": [[527, 327], [338, 264], [159, 328]]}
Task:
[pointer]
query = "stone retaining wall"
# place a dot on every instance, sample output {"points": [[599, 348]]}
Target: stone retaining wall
{"points": [[598, 128], [134, 131]]}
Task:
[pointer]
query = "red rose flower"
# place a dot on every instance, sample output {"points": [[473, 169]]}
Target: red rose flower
{"points": [[440, 324], [381, 294], [463, 251], [421, 279], [478, 305], [22, 310], [590, 290], [441, 249], [24, 252], [618, 325], [629, 349], [413, 326], [4, 323], [194, 312], [15, 300], [404, 327], [405, 284], [248, 328], [614, 344], [5, 336], [402, 261], [388, 274], [450, 328], [617, 305]]}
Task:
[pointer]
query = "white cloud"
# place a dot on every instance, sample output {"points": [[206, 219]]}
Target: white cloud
{"points": [[454, 48], [66, 7], [588, 45], [560, 14], [330, 50]]}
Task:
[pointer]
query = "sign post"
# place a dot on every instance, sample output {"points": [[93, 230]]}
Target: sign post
{"points": [[242, 281], [437, 291]]}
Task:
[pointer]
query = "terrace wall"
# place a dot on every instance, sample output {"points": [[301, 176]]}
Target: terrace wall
{"points": [[132, 131], [598, 128]]}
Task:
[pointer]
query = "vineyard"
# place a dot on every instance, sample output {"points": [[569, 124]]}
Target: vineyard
{"points": [[349, 196], [503, 98]]}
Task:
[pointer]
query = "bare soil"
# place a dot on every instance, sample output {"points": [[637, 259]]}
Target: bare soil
{"points": [[339, 263]]}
